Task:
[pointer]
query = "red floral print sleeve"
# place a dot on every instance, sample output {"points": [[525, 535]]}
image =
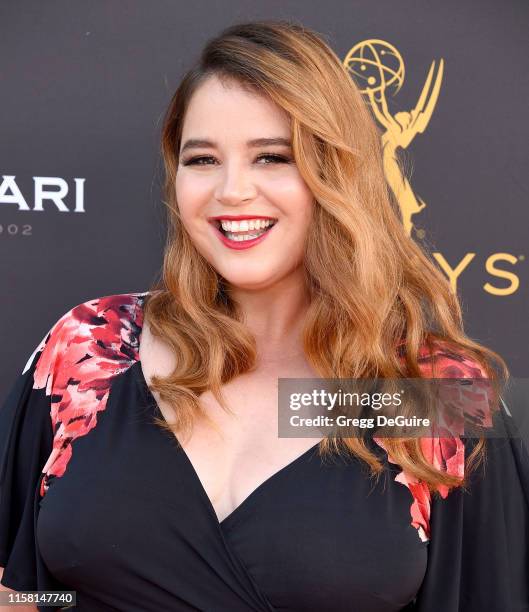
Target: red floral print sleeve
{"points": [[83, 352], [444, 453]]}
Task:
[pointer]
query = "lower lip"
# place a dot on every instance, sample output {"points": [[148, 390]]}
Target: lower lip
{"points": [[239, 245]]}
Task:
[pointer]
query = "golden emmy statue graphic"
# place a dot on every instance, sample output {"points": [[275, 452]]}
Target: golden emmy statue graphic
{"points": [[377, 66]]}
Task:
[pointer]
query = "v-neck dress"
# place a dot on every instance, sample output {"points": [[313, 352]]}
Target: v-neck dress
{"points": [[96, 498]]}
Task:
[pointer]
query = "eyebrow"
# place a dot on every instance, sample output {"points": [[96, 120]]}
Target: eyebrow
{"points": [[198, 143]]}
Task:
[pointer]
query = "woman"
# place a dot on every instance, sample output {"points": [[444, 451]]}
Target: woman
{"points": [[141, 465]]}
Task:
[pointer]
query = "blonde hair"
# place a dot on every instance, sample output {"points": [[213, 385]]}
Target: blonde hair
{"points": [[371, 286]]}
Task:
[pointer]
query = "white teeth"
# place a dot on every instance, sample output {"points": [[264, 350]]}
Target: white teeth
{"points": [[245, 225], [240, 238]]}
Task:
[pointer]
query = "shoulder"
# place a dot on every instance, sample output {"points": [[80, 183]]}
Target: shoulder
{"points": [[95, 328], [79, 358], [100, 312]]}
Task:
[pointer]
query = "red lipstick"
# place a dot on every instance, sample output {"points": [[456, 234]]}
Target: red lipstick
{"points": [[238, 245]]}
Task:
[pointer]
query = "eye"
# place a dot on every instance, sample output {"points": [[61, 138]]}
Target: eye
{"points": [[204, 159], [278, 159], [196, 161]]}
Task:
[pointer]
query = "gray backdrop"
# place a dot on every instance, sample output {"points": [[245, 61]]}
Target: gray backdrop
{"points": [[84, 86]]}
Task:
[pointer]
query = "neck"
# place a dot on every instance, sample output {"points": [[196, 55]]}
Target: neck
{"points": [[275, 316]]}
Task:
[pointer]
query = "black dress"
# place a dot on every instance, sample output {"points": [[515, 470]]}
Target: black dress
{"points": [[97, 499]]}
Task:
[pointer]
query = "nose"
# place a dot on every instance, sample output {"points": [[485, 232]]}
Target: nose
{"points": [[235, 185]]}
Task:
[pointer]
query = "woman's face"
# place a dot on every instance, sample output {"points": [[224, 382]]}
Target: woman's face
{"points": [[223, 177]]}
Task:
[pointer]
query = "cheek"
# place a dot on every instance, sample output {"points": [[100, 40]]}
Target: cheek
{"points": [[190, 199], [287, 185], [291, 194], [302, 209]]}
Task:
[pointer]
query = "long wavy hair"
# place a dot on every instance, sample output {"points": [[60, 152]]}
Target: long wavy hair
{"points": [[372, 288]]}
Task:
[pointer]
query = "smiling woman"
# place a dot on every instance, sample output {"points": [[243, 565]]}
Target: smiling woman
{"points": [[140, 462], [241, 177]]}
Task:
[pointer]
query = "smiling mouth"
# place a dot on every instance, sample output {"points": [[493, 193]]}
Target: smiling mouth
{"points": [[240, 231]]}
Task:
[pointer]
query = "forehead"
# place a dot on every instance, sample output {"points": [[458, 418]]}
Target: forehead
{"points": [[222, 109]]}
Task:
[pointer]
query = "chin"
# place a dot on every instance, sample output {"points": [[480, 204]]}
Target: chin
{"points": [[249, 282], [249, 285]]}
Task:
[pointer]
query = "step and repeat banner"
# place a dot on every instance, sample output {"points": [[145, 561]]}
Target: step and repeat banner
{"points": [[84, 86]]}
